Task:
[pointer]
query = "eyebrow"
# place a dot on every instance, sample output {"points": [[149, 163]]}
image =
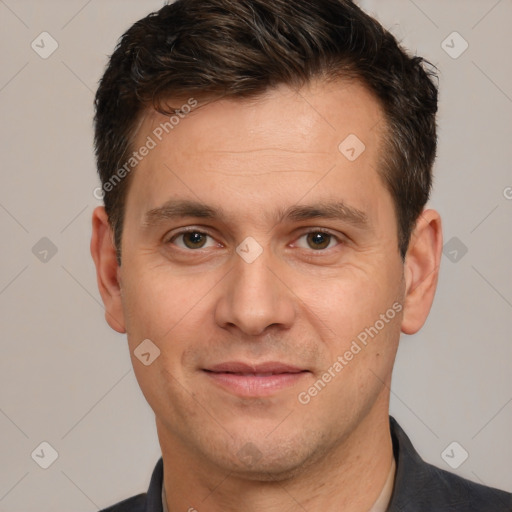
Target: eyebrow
{"points": [[176, 209]]}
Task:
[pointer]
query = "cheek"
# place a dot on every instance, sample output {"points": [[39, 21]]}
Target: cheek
{"points": [[351, 300], [158, 303]]}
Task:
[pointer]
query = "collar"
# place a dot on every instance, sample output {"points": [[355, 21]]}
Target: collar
{"points": [[381, 505]]}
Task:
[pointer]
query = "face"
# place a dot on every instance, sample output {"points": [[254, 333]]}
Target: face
{"points": [[262, 261]]}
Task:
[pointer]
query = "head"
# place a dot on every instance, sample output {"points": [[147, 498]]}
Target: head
{"points": [[273, 217]]}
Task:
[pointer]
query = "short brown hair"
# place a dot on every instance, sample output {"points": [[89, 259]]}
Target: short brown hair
{"points": [[241, 48]]}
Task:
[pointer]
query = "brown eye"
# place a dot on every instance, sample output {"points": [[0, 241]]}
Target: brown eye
{"points": [[318, 240], [194, 239]]}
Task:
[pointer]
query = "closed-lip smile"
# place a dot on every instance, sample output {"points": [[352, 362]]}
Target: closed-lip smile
{"points": [[254, 380]]}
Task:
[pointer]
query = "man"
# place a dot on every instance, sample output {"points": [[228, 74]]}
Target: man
{"points": [[265, 167]]}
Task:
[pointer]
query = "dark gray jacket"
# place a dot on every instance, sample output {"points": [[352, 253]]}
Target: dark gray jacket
{"points": [[419, 487]]}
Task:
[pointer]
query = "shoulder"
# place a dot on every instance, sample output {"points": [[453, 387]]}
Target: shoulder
{"points": [[459, 494], [422, 487], [133, 504]]}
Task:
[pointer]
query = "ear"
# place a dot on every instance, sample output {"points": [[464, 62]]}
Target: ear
{"points": [[107, 270], [421, 270]]}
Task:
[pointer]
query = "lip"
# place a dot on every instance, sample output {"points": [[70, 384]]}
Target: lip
{"points": [[255, 380]]}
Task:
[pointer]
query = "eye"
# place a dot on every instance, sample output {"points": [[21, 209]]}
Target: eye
{"points": [[317, 240], [192, 240]]}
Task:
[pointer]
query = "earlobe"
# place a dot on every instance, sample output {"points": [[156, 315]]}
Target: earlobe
{"points": [[421, 270], [107, 269]]}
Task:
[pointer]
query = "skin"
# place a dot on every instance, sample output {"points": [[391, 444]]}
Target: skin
{"points": [[293, 304]]}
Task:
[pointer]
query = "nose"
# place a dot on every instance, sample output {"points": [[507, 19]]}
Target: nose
{"points": [[253, 298]]}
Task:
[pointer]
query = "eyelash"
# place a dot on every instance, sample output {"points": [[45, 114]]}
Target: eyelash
{"points": [[312, 231]]}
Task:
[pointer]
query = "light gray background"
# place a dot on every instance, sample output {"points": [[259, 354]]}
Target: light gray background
{"points": [[66, 378]]}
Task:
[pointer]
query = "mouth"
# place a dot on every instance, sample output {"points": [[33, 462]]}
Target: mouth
{"points": [[251, 381]]}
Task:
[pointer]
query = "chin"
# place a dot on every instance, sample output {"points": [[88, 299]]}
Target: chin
{"points": [[276, 470], [277, 460]]}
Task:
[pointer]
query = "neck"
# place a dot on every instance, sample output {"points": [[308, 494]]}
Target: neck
{"points": [[349, 478]]}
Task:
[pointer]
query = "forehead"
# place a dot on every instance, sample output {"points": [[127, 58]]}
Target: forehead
{"points": [[284, 139], [317, 115]]}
